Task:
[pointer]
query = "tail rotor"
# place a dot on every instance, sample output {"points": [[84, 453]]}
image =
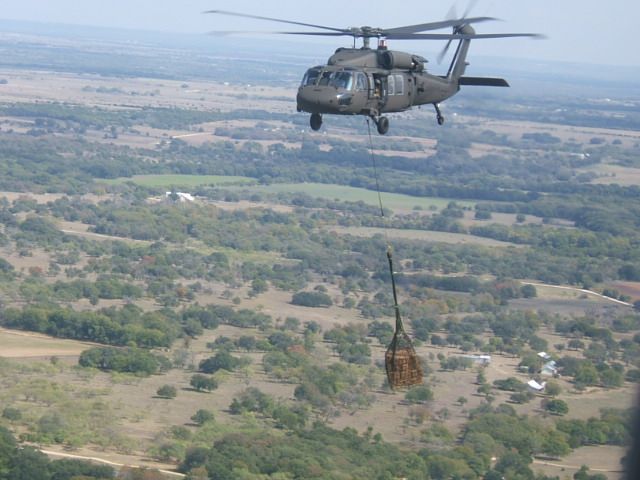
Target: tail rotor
{"points": [[453, 15]]}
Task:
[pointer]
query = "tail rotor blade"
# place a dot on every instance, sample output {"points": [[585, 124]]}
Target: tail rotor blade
{"points": [[472, 4], [444, 51]]}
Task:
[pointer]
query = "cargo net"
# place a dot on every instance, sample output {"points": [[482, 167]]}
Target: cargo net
{"points": [[401, 361]]}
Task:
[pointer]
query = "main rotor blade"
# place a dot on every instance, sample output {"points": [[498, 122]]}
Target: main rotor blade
{"points": [[270, 19], [224, 33], [322, 34], [459, 36], [437, 25]]}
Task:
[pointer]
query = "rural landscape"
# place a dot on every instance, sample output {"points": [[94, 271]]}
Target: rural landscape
{"points": [[194, 284]]}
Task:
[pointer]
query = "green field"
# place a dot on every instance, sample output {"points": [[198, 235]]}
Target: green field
{"points": [[393, 201], [169, 181]]}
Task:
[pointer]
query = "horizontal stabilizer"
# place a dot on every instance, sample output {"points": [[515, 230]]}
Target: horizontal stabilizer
{"points": [[483, 81]]}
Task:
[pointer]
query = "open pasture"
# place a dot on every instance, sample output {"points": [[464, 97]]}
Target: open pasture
{"points": [[423, 235], [180, 181], [394, 201], [17, 344]]}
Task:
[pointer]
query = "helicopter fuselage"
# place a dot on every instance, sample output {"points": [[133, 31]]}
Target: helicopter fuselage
{"points": [[371, 82], [374, 82], [356, 82]]}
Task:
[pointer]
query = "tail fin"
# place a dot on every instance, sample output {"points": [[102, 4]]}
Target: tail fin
{"points": [[459, 62]]}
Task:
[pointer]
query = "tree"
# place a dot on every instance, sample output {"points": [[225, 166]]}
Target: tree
{"points": [[552, 389], [12, 414], [583, 474], [68, 469], [7, 450], [513, 465], [167, 391], [246, 342], [528, 291], [291, 323], [258, 286], [485, 389], [586, 375], [555, 444], [29, 464], [203, 382], [202, 416], [510, 384], [221, 361], [575, 344], [611, 378], [419, 394], [556, 407], [521, 397]]}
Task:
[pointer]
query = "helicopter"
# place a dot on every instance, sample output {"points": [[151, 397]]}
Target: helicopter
{"points": [[373, 82]]}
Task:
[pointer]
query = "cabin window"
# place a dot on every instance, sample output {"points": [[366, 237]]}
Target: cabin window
{"points": [[311, 77], [391, 85], [399, 84], [361, 82]]}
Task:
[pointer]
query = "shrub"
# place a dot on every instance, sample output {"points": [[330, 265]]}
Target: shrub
{"points": [[167, 391]]}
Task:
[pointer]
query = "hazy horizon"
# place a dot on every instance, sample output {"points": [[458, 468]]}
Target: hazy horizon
{"points": [[577, 31]]}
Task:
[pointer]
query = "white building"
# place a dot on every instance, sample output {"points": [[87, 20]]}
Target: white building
{"points": [[180, 197], [536, 387]]}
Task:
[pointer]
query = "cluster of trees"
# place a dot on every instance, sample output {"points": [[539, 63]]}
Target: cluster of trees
{"points": [[612, 428], [27, 463], [291, 417], [585, 372], [37, 290], [320, 452], [222, 360], [311, 299], [351, 343], [128, 325], [128, 360]]}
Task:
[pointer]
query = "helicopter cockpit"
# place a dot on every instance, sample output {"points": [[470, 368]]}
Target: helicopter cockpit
{"points": [[336, 89], [339, 79]]}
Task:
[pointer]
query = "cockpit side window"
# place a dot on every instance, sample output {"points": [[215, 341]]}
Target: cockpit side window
{"points": [[361, 82], [311, 77]]}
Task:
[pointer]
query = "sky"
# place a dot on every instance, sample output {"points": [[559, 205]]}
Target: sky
{"points": [[580, 31]]}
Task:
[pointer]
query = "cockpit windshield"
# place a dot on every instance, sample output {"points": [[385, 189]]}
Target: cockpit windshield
{"points": [[342, 80], [311, 77]]}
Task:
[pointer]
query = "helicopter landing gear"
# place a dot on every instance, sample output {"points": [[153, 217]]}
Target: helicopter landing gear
{"points": [[382, 124], [439, 117], [315, 121]]}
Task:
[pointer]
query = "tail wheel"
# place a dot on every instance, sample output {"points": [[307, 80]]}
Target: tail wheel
{"points": [[383, 125], [315, 121]]}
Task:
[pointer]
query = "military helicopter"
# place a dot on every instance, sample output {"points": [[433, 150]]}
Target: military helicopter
{"points": [[372, 82]]}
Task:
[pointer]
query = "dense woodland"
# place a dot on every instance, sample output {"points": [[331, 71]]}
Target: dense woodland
{"points": [[140, 284]]}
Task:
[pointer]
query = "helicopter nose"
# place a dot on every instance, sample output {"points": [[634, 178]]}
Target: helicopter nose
{"points": [[314, 99]]}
